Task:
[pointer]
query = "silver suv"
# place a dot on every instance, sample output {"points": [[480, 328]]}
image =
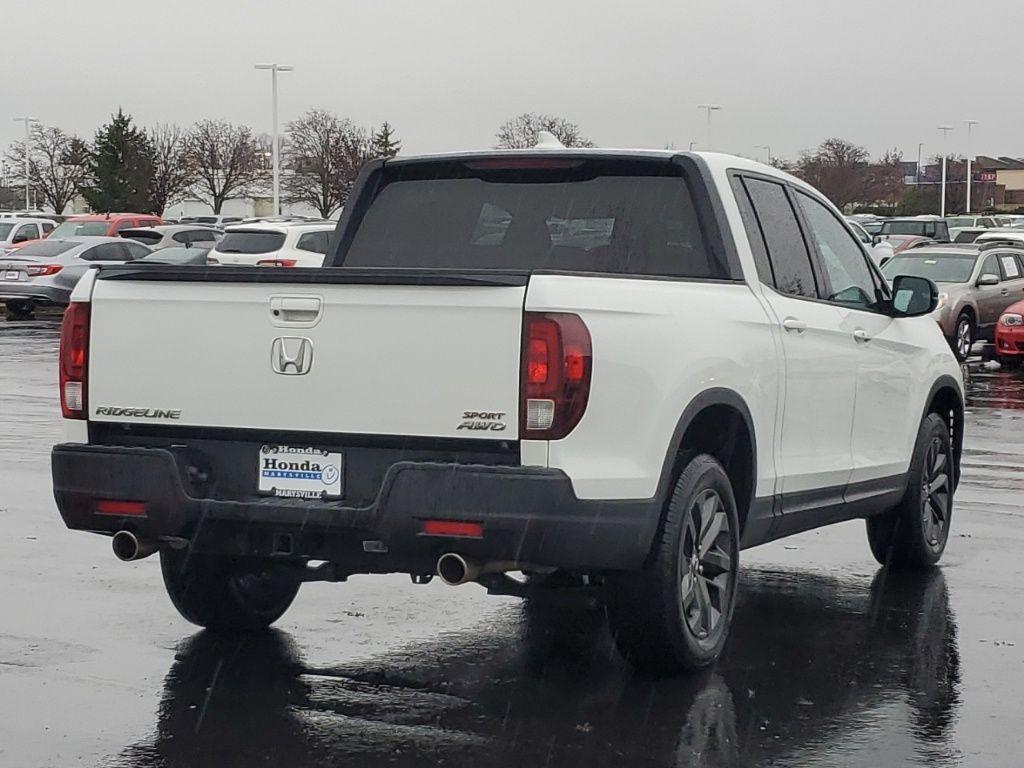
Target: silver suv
{"points": [[977, 282]]}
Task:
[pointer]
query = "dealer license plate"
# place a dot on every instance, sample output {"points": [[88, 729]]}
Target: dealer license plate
{"points": [[305, 473], [13, 275]]}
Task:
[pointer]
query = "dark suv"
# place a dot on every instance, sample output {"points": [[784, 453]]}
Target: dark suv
{"points": [[924, 226]]}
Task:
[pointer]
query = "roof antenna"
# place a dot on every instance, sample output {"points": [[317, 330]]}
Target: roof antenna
{"points": [[548, 140]]}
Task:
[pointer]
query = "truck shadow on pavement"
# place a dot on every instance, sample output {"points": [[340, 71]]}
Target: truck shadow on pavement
{"points": [[818, 670]]}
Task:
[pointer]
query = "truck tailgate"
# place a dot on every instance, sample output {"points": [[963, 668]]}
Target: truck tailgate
{"points": [[414, 359]]}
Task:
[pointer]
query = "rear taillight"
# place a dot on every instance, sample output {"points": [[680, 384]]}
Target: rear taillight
{"points": [[74, 360], [276, 263], [556, 365], [43, 270]]}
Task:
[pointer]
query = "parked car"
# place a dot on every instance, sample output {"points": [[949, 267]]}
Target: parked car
{"points": [[216, 220], [873, 227], [881, 250], [432, 405], [1004, 234], [977, 282], [103, 224], [44, 272], [1010, 335], [167, 236], [901, 243], [288, 244], [14, 232], [957, 224], [931, 227], [178, 256], [969, 235]]}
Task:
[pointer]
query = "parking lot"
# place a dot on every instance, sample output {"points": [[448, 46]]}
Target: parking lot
{"points": [[830, 661]]}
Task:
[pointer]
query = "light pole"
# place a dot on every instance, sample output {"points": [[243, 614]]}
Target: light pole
{"points": [[920, 146], [274, 69], [709, 108], [970, 125], [768, 151], [945, 138], [28, 123]]}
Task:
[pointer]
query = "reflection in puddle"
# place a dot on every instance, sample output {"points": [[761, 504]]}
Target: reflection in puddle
{"points": [[815, 667]]}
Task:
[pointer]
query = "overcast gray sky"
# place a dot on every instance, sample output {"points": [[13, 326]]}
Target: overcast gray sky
{"points": [[788, 73]]}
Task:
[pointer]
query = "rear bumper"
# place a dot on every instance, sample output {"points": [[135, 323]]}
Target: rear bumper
{"points": [[530, 515], [42, 294]]}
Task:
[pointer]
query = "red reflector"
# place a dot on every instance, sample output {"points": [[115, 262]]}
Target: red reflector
{"points": [[121, 508], [453, 528], [276, 262]]}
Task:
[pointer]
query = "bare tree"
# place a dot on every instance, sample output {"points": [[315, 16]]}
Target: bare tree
{"points": [[838, 168], [520, 132], [322, 159], [173, 166], [226, 160], [57, 164]]}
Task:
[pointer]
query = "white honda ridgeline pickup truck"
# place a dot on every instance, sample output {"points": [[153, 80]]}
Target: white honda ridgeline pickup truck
{"points": [[609, 370]]}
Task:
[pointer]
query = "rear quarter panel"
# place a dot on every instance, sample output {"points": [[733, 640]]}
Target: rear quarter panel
{"points": [[657, 344]]}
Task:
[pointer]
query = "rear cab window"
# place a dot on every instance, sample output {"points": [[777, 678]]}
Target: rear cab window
{"points": [[592, 215]]}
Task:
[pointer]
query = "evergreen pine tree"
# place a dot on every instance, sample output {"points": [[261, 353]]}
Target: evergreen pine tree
{"points": [[383, 143], [120, 168]]}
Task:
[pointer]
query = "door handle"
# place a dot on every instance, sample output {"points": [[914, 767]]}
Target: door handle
{"points": [[861, 335], [1005, 291], [793, 324], [301, 311]]}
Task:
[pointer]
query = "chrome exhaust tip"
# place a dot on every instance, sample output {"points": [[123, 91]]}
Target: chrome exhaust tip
{"points": [[128, 547], [454, 569]]}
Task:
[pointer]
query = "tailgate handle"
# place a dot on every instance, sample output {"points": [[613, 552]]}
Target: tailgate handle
{"points": [[303, 310]]}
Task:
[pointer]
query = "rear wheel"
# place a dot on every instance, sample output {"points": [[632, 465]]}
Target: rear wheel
{"points": [[963, 337], [19, 310], [914, 534], [674, 616], [217, 593]]}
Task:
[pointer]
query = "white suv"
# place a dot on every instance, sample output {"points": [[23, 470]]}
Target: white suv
{"points": [[290, 244], [611, 370]]}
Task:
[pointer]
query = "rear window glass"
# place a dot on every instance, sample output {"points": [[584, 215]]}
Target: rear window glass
{"points": [[250, 242], [46, 249], [583, 216], [78, 228], [148, 238]]}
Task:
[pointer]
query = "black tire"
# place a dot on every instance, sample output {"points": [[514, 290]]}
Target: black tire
{"points": [[218, 594], [673, 617], [19, 310], [914, 534], [964, 336]]}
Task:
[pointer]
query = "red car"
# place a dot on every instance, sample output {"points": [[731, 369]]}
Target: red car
{"points": [[1010, 335], [101, 224]]}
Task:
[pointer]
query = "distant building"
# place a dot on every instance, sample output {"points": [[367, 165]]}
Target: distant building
{"points": [[1006, 172]]}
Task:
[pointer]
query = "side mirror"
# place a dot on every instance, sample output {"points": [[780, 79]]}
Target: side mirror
{"points": [[876, 239], [988, 279], [913, 296]]}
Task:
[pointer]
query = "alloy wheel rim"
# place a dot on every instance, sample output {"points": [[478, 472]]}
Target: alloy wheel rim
{"points": [[935, 493], [706, 565], [963, 338]]}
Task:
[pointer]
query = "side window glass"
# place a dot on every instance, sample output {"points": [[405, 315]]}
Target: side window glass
{"points": [[315, 242], [991, 266], [134, 250], [181, 237], [1009, 264], [787, 251], [126, 224], [47, 228], [849, 276], [753, 229], [29, 232]]}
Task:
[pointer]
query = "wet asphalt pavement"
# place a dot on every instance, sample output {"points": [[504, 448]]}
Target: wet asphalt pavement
{"points": [[831, 662]]}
